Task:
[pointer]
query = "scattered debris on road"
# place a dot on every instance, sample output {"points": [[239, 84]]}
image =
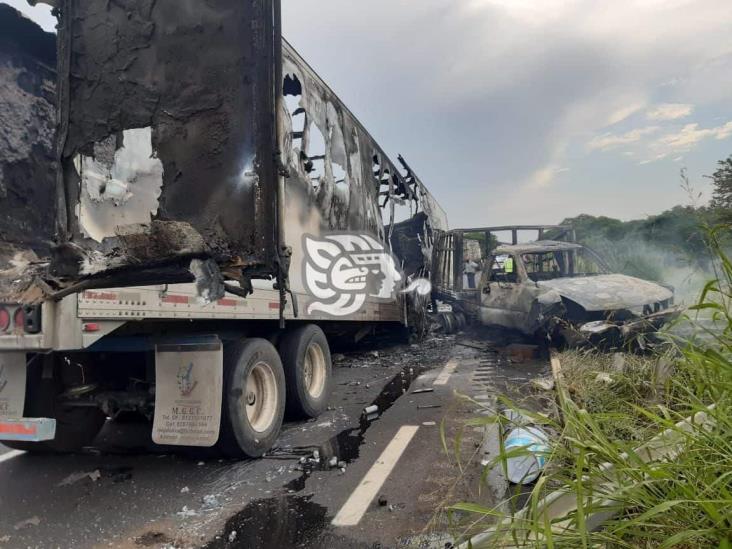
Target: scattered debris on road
{"points": [[33, 521], [543, 383], [73, 478]]}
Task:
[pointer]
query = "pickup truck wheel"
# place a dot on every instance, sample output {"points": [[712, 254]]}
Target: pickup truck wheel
{"points": [[308, 370], [460, 321], [253, 404], [447, 322], [76, 427]]}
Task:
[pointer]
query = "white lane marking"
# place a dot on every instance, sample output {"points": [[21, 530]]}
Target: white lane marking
{"points": [[10, 455], [446, 372], [359, 501]]}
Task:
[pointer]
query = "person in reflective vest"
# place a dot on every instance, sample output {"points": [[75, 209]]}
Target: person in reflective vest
{"points": [[508, 265]]}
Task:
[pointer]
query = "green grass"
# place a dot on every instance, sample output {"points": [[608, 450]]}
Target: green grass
{"points": [[683, 502]]}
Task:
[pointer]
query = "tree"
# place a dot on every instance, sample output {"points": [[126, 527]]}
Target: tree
{"points": [[722, 195]]}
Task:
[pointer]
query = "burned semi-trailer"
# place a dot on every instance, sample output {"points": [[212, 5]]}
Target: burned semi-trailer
{"points": [[219, 214]]}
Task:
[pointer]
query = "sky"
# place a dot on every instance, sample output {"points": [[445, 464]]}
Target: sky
{"points": [[530, 111]]}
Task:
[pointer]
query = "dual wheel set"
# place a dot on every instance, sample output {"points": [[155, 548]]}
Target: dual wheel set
{"points": [[261, 383]]}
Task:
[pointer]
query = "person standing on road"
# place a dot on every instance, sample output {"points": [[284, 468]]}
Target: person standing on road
{"points": [[471, 267]]}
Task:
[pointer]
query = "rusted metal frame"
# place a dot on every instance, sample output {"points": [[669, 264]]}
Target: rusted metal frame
{"points": [[520, 228], [457, 283], [386, 165]]}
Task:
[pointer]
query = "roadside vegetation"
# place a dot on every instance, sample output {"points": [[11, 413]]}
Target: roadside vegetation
{"points": [[677, 492]]}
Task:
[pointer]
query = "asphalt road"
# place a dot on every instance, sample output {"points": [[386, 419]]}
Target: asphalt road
{"points": [[389, 488]]}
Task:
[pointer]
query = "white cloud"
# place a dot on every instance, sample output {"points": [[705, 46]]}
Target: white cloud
{"points": [[609, 141], [691, 135], [544, 177], [532, 12], [659, 156], [674, 143], [624, 112], [670, 111]]}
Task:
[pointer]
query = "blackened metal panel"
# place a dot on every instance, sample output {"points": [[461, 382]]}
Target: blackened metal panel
{"points": [[27, 157], [168, 132]]}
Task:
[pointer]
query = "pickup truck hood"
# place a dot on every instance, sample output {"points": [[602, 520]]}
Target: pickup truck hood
{"points": [[608, 292]]}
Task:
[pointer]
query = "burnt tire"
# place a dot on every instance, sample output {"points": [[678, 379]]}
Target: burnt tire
{"points": [[76, 427], [308, 370], [460, 321], [447, 323], [253, 400]]}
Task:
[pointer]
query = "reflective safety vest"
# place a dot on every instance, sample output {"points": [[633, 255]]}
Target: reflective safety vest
{"points": [[508, 265]]}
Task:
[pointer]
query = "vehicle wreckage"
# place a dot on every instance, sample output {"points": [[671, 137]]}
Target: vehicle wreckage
{"points": [[556, 288], [205, 218]]}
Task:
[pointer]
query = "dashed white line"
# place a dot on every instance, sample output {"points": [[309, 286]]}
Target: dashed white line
{"points": [[10, 455], [446, 372], [359, 501]]}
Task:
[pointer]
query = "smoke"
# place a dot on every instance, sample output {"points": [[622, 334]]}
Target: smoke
{"points": [[687, 272]]}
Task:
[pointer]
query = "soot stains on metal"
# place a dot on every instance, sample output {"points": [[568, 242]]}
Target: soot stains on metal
{"points": [[199, 78], [27, 120], [338, 176]]}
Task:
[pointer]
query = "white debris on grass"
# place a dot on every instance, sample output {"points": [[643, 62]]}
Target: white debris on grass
{"points": [[543, 383], [604, 377]]}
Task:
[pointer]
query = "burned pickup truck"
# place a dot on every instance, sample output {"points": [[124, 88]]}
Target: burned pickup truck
{"points": [[547, 287]]}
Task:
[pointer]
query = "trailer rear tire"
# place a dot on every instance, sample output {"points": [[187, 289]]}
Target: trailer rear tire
{"points": [[308, 370], [253, 403], [76, 427]]}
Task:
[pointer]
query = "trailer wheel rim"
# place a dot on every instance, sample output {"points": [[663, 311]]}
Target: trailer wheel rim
{"points": [[260, 398], [314, 370]]}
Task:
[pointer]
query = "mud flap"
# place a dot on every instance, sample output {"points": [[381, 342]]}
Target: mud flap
{"points": [[188, 392], [13, 426], [12, 385]]}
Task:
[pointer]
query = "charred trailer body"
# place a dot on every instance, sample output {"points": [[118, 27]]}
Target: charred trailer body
{"points": [[166, 139], [27, 159], [220, 214]]}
